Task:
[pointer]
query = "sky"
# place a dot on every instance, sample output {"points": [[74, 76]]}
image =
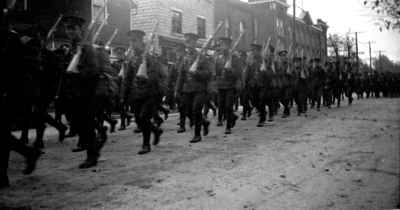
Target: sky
{"points": [[343, 16]]}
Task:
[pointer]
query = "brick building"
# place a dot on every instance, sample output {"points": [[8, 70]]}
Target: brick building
{"points": [[269, 18]]}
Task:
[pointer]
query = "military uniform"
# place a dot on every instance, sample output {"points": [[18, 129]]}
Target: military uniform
{"points": [[194, 87], [317, 76], [249, 96], [11, 89], [227, 78]]}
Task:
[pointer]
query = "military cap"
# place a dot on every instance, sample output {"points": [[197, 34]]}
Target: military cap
{"points": [[283, 53], [73, 21], [255, 47], [224, 40], [138, 34], [191, 36]]}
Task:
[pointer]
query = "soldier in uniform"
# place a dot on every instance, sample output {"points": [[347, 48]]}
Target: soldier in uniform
{"points": [[192, 85], [88, 71], [318, 77], [349, 81], [227, 77], [268, 82], [301, 85], [145, 92], [249, 95], [285, 74], [11, 90]]}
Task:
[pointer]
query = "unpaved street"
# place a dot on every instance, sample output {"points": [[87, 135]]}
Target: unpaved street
{"points": [[343, 158]]}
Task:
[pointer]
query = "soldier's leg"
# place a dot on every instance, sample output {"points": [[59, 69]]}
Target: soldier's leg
{"points": [[229, 113], [4, 152], [198, 100], [221, 106], [261, 107]]}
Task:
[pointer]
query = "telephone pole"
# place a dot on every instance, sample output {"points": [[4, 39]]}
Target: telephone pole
{"points": [[370, 56], [294, 28], [358, 60]]}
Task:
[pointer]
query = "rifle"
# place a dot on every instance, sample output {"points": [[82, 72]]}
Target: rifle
{"points": [[142, 72], [195, 64], [264, 55], [289, 56], [228, 64], [72, 67], [108, 43]]}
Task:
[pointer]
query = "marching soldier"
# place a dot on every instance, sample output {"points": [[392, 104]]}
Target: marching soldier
{"points": [[249, 95], [227, 77], [317, 76], [268, 82], [143, 88], [193, 88], [285, 74], [88, 71], [11, 90], [301, 85]]}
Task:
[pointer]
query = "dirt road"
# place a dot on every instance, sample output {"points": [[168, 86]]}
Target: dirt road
{"points": [[342, 158]]}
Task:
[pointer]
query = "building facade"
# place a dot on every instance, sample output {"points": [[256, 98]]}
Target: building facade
{"points": [[261, 19], [176, 17], [264, 19]]}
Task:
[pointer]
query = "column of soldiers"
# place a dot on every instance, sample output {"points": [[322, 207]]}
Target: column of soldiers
{"points": [[263, 80]]}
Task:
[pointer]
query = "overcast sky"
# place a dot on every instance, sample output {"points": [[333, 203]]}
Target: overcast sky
{"points": [[345, 15]]}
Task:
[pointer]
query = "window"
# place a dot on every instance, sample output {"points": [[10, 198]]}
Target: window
{"points": [[176, 22], [279, 27], [98, 7], [201, 27], [272, 6]]}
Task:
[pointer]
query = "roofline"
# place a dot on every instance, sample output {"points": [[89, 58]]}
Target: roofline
{"points": [[268, 1]]}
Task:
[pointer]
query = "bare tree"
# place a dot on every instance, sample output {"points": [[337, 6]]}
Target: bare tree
{"points": [[388, 13]]}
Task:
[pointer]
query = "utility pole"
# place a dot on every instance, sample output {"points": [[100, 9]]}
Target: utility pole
{"points": [[358, 60], [294, 28], [370, 56]]}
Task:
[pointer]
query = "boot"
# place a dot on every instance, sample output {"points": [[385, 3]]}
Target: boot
{"points": [[31, 161], [145, 149], [157, 134], [137, 130], [206, 128], [196, 139], [61, 133], [88, 163], [228, 131], [113, 124], [181, 129], [235, 118]]}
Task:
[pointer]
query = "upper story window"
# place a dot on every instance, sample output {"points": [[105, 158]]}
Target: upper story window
{"points": [[176, 22], [272, 6], [201, 27], [279, 27], [98, 6]]}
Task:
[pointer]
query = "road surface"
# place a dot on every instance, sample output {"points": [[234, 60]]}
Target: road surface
{"points": [[342, 158]]}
